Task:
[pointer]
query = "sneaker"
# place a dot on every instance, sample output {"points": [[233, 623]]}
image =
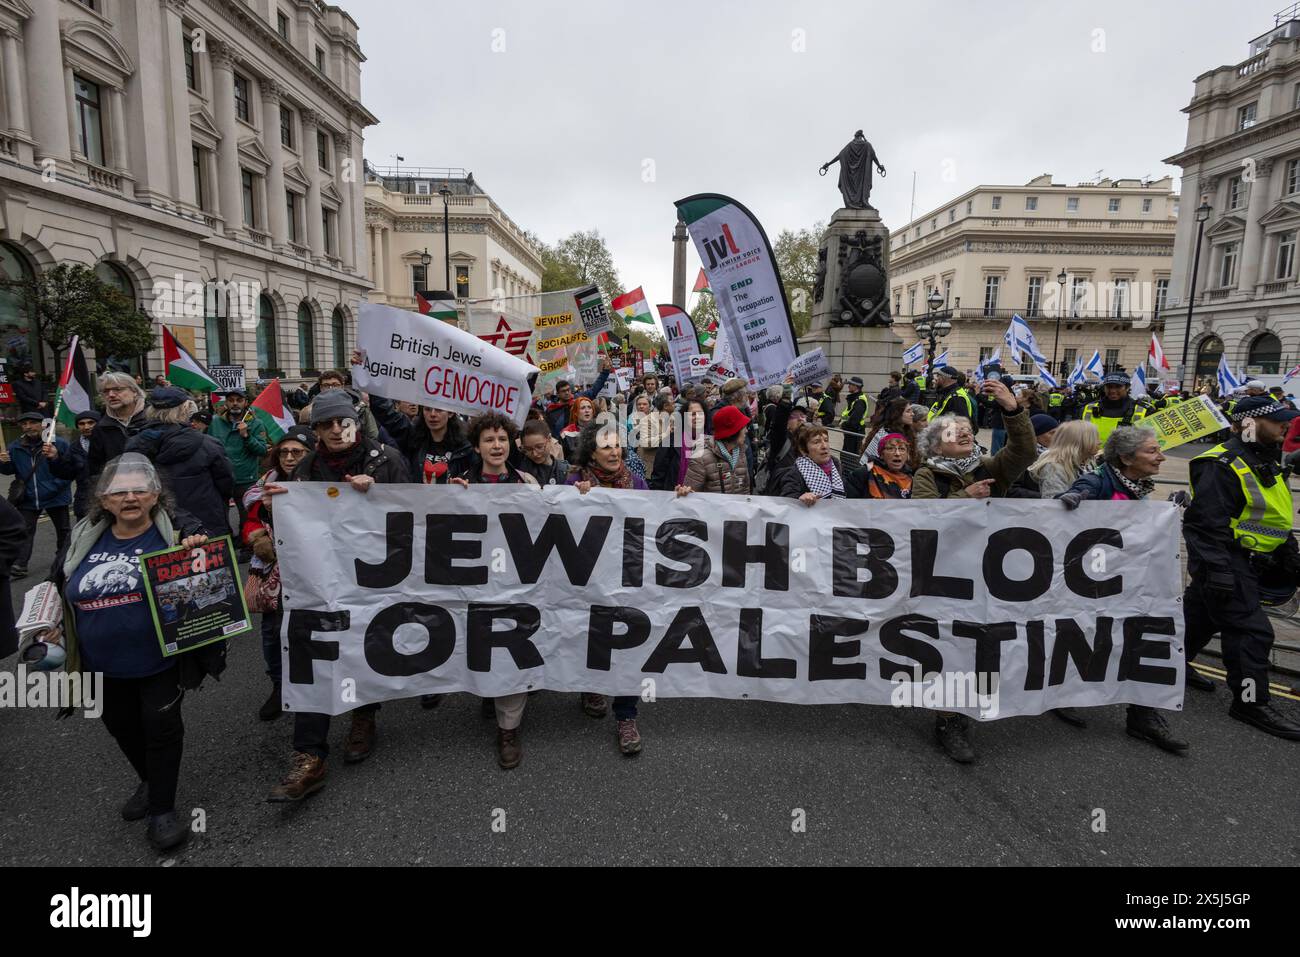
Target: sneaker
{"points": [[1070, 716], [594, 705], [1198, 681], [951, 732], [306, 776], [1150, 725], [272, 707], [137, 805], [509, 751], [629, 739], [488, 707], [18, 571], [361, 737], [430, 701], [1267, 718], [167, 831]]}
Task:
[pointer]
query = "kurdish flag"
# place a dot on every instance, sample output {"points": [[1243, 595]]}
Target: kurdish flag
{"points": [[633, 307], [269, 409], [183, 369], [74, 387]]}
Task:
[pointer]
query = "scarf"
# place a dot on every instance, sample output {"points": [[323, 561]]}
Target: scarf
{"points": [[619, 478], [731, 456], [1139, 489], [340, 463], [943, 463], [818, 482]]}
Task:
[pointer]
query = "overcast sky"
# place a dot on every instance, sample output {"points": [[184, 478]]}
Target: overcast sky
{"points": [[589, 99]]}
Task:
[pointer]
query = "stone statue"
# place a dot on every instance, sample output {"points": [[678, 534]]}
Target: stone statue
{"points": [[863, 293], [856, 160]]}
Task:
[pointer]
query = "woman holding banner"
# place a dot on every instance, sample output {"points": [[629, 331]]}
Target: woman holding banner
{"points": [[815, 475], [674, 458], [433, 443]]}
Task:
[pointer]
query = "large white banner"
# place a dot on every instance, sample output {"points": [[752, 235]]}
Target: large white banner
{"points": [[430, 362], [410, 590], [740, 265]]}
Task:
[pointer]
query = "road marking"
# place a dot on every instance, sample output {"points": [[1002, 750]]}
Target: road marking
{"points": [[1210, 671]]}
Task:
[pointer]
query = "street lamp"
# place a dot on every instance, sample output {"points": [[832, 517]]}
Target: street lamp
{"points": [[1061, 277], [445, 193], [1202, 214], [933, 327], [425, 259]]}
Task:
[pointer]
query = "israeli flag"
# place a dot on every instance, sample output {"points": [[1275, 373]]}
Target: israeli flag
{"points": [[1019, 336], [1228, 383], [1095, 366], [1076, 374], [993, 360], [941, 359], [914, 354], [1047, 378], [1137, 383]]}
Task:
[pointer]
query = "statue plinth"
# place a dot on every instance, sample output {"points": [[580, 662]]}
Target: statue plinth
{"points": [[851, 311]]}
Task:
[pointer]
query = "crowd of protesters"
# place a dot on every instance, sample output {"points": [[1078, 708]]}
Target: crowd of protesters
{"points": [[163, 467]]}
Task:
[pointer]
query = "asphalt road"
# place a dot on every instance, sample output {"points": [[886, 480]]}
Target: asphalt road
{"points": [[718, 782]]}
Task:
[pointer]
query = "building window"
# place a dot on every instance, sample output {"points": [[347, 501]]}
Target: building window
{"points": [[327, 231], [339, 336], [250, 198], [1068, 358], [191, 72], [1078, 296], [918, 232], [1295, 100], [911, 301], [934, 224], [320, 59], [1246, 115], [268, 357], [419, 278], [216, 326], [1072, 204], [322, 150], [241, 98], [291, 211], [1293, 176], [970, 206], [947, 292], [1031, 204], [1112, 360], [1162, 295], [1265, 356], [200, 194], [1236, 193], [952, 215], [997, 202], [1146, 204], [1119, 299], [1035, 297], [422, 188], [306, 340], [1112, 205], [1285, 255], [1228, 265], [986, 353], [282, 25], [286, 127], [90, 132], [991, 285], [462, 282]]}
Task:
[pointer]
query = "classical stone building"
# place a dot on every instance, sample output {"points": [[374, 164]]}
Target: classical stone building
{"points": [[995, 251], [177, 144], [1242, 160], [491, 258]]}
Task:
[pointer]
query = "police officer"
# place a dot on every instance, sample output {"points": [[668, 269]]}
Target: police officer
{"points": [[1056, 404], [1240, 552], [853, 420], [1115, 408], [953, 397]]}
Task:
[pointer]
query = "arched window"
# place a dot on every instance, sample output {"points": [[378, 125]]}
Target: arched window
{"points": [[268, 355], [340, 342], [306, 341], [1266, 353], [216, 324], [115, 275], [1208, 354], [17, 334]]}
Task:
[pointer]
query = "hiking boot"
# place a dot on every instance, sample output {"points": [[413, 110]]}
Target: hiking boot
{"points": [[430, 701], [167, 831], [1070, 716], [951, 732], [488, 707], [629, 739], [1267, 718], [137, 805], [594, 705], [306, 776], [509, 750], [1150, 725], [361, 737], [1198, 681], [271, 707]]}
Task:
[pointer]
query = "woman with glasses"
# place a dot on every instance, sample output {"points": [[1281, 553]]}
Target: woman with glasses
{"points": [[263, 572]]}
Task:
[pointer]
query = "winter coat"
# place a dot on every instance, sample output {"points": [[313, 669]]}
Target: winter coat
{"points": [[383, 463], [47, 483], [245, 454], [553, 474], [416, 444], [1008, 465], [792, 484], [30, 395], [194, 468], [709, 471], [108, 440]]}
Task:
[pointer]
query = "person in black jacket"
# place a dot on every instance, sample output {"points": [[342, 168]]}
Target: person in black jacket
{"points": [[13, 532], [537, 454], [80, 448], [673, 459], [911, 391], [434, 444], [123, 417], [194, 466], [30, 391]]}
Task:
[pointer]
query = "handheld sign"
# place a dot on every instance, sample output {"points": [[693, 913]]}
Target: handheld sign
{"points": [[195, 595], [1184, 422]]}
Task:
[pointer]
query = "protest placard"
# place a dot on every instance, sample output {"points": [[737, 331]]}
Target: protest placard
{"points": [[809, 368], [1185, 422], [228, 378], [195, 595]]}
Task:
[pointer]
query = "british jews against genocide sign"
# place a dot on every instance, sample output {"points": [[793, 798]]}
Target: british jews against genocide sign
{"points": [[410, 590]]}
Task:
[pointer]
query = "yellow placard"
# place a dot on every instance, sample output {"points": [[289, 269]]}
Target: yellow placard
{"points": [[558, 341], [1182, 423], [552, 365], [558, 319]]}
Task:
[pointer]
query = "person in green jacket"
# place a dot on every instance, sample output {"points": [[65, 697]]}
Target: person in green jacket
{"points": [[245, 444]]}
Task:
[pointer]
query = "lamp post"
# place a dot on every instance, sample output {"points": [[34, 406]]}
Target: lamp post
{"points": [[1202, 214], [1061, 277], [934, 326], [425, 259], [445, 193]]}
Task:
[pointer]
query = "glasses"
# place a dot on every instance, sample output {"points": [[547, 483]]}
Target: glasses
{"points": [[118, 494], [292, 453]]}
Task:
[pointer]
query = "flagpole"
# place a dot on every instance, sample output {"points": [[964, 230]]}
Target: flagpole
{"points": [[58, 396]]}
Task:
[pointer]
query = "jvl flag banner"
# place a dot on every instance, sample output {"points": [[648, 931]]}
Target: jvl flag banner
{"points": [[409, 590], [427, 361], [1179, 424], [682, 344], [746, 285]]}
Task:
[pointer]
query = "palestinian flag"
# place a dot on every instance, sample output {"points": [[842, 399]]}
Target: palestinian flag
{"points": [[437, 307], [269, 409], [633, 307], [74, 387], [183, 370], [702, 283]]}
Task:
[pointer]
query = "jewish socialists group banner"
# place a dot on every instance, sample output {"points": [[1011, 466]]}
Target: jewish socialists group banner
{"points": [[991, 609]]}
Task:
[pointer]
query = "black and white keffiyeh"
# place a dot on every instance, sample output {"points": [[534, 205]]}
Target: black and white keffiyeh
{"points": [[815, 477], [1139, 489], [953, 466]]}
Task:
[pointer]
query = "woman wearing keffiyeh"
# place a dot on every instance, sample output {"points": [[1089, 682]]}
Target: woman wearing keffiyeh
{"points": [[815, 475]]}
